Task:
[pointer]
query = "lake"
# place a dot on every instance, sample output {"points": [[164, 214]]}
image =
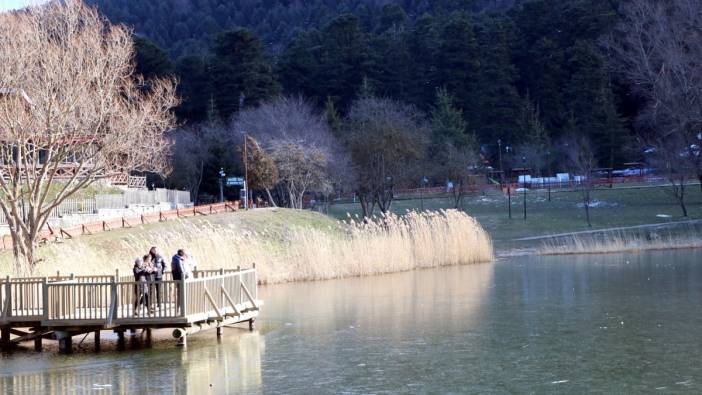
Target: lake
{"points": [[627, 323]]}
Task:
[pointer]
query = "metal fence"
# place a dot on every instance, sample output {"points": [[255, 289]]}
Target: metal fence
{"points": [[143, 197], [116, 201]]}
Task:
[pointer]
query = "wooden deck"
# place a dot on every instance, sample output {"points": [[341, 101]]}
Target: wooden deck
{"points": [[61, 307]]}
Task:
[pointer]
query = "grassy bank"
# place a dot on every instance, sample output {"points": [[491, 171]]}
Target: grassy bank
{"points": [[629, 240], [286, 245], [617, 207]]}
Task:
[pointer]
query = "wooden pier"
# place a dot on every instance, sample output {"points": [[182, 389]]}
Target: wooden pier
{"points": [[61, 307]]}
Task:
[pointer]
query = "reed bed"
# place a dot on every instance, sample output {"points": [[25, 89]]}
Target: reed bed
{"points": [[621, 241], [296, 253]]}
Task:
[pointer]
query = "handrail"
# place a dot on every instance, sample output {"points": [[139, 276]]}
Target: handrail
{"points": [[124, 300]]}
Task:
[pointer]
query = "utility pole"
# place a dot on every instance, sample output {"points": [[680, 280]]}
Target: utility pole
{"points": [[499, 154], [246, 172], [221, 185], [524, 183], [548, 156], [509, 200]]}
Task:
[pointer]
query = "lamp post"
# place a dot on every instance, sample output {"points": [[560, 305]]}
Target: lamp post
{"points": [[422, 185], [222, 174], [499, 155], [548, 158], [524, 183]]}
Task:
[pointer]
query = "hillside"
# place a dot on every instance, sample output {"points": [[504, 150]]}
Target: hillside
{"points": [[187, 26]]}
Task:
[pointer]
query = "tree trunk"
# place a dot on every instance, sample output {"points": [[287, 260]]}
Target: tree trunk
{"points": [[587, 209], [681, 201], [23, 251], [270, 198]]}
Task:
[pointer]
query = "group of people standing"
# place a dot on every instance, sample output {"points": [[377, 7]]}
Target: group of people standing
{"points": [[149, 271]]}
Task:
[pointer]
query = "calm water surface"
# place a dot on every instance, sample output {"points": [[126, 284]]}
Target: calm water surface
{"points": [[598, 324]]}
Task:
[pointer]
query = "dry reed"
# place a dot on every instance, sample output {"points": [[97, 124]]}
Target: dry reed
{"points": [[353, 248], [613, 242]]}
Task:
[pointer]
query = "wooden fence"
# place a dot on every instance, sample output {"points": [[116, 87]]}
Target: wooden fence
{"points": [[50, 234], [106, 300]]}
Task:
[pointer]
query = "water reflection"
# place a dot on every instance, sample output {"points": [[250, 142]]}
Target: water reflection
{"points": [[607, 324], [207, 366]]}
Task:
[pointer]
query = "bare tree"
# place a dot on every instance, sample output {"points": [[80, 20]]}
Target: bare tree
{"points": [[385, 139], [671, 156], [460, 165], [658, 49], [71, 112], [190, 151], [307, 155], [262, 169], [301, 169], [581, 157]]}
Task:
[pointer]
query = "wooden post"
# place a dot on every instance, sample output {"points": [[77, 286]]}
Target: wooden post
{"points": [[5, 336], [44, 300], [37, 344], [181, 298], [8, 299], [219, 331], [66, 344], [252, 325], [183, 341], [97, 340], [120, 340], [148, 336], [142, 219]]}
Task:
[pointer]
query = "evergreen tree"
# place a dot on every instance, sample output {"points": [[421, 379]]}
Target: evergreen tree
{"points": [[422, 44], [459, 63], [194, 89], [242, 74], [447, 123], [333, 117], [151, 61], [591, 103], [344, 61], [298, 66], [496, 91]]}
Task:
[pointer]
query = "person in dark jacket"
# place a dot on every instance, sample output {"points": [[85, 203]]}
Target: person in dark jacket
{"points": [[142, 274], [159, 269], [179, 272]]}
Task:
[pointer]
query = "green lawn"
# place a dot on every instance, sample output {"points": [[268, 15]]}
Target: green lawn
{"points": [[613, 208]]}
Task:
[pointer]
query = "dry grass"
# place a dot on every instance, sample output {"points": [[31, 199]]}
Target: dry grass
{"points": [[292, 253], [622, 241]]}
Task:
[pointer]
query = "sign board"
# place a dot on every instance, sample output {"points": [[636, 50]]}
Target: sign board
{"points": [[235, 181]]}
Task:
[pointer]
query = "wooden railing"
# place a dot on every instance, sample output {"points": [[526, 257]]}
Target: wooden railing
{"points": [[97, 300]]}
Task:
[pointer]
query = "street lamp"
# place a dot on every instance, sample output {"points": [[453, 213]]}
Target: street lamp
{"points": [[499, 154], [524, 183], [222, 174], [422, 185], [548, 159]]}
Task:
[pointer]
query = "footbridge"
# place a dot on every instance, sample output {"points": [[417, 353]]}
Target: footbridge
{"points": [[60, 307]]}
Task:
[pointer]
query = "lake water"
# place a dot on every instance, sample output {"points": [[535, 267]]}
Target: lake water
{"points": [[607, 324]]}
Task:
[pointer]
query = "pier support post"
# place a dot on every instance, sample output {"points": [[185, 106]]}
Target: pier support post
{"points": [[120, 340], [183, 341], [38, 346], [219, 331], [148, 336], [5, 336], [66, 344], [252, 324], [97, 340]]}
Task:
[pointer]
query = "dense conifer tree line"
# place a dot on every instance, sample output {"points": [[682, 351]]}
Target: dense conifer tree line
{"points": [[526, 73]]}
